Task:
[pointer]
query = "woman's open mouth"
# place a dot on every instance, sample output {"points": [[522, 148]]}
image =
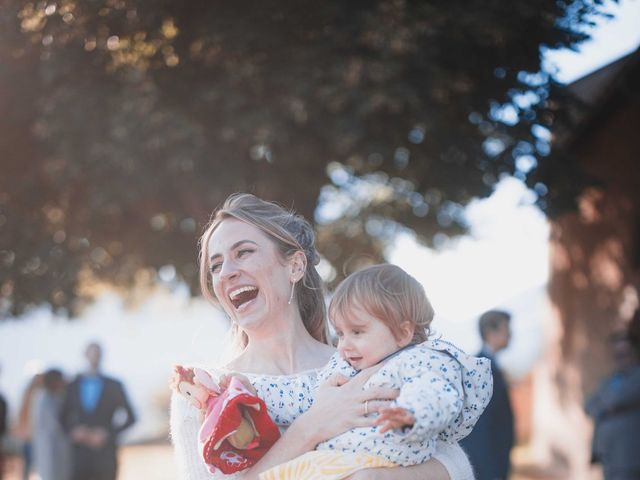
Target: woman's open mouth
{"points": [[240, 297]]}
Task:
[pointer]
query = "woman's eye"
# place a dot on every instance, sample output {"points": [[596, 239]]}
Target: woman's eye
{"points": [[215, 267], [242, 253]]}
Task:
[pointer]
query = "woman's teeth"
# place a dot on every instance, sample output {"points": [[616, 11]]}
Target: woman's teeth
{"points": [[242, 295]]}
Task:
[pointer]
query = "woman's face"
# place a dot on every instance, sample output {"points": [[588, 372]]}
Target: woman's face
{"points": [[250, 279]]}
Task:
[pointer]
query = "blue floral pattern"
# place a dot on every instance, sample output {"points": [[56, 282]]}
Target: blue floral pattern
{"points": [[445, 389]]}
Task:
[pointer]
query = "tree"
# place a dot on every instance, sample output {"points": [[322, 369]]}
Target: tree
{"points": [[595, 262], [125, 122]]}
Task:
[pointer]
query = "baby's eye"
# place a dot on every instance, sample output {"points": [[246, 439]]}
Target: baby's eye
{"points": [[357, 332], [189, 393]]}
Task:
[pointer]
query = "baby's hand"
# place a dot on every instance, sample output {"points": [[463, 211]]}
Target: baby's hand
{"points": [[394, 417]]}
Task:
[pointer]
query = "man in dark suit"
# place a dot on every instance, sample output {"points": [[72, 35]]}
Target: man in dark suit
{"points": [[490, 442], [91, 416]]}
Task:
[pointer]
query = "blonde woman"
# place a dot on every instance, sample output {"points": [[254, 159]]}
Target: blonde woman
{"points": [[257, 262]]}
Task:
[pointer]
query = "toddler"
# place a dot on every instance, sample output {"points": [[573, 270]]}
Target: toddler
{"points": [[382, 315]]}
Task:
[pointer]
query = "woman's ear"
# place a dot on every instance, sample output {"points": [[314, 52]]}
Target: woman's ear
{"points": [[298, 264], [407, 329]]}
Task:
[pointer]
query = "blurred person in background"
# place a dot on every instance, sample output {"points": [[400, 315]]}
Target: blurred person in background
{"points": [[615, 409], [51, 447], [25, 421], [3, 429], [94, 412], [489, 443]]}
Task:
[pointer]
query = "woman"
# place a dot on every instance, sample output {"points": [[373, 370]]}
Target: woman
{"points": [[51, 447], [257, 261]]}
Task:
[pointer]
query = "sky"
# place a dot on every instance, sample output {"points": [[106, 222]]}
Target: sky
{"points": [[611, 39], [503, 263]]}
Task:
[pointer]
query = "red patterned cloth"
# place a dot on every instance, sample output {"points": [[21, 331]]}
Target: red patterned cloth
{"points": [[222, 418]]}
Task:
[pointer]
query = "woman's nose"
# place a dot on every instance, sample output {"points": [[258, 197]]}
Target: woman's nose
{"points": [[228, 270]]}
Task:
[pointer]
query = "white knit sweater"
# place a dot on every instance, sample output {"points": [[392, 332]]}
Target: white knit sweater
{"points": [[186, 420]]}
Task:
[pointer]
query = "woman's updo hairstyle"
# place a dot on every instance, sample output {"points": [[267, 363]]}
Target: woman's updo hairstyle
{"points": [[290, 233]]}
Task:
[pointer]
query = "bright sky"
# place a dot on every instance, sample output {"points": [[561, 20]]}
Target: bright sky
{"points": [[504, 262], [611, 39]]}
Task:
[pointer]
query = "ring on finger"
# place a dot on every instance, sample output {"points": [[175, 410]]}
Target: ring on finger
{"points": [[366, 407]]}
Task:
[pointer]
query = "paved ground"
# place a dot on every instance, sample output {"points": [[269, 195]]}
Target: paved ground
{"points": [[148, 462], [156, 462]]}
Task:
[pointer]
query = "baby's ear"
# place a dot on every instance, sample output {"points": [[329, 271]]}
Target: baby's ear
{"points": [[407, 329]]}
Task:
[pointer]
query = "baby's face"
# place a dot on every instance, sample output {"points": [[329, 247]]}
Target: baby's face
{"points": [[363, 340]]}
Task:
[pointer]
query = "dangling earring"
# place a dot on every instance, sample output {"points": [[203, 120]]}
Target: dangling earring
{"points": [[293, 285]]}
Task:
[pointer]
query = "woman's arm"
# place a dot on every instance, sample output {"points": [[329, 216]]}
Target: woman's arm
{"points": [[449, 463], [185, 424], [430, 470], [338, 407]]}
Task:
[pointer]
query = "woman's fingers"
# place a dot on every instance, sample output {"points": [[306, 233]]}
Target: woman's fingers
{"points": [[364, 422], [375, 406], [364, 375], [380, 393], [224, 381], [337, 380]]}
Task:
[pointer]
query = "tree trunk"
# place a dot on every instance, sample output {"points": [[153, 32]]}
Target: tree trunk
{"points": [[593, 287]]}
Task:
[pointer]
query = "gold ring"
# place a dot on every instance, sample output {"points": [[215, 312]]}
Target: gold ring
{"points": [[366, 407]]}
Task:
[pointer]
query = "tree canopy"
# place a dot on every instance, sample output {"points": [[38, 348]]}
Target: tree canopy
{"points": [[126, 122]]}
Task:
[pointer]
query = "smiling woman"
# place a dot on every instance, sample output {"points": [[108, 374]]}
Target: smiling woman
{"points": [[257, 262]]}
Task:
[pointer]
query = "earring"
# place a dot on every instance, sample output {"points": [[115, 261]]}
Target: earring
{"points": [[293, 285]]}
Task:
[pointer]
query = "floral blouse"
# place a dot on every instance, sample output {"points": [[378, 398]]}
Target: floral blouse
{"points": [[286, 397]]}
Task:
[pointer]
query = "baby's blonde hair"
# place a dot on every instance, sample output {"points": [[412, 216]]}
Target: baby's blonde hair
{"points": [[387, 293]]}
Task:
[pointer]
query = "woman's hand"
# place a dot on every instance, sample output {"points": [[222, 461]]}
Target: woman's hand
{"points": [[224, 380], [341, 404]]}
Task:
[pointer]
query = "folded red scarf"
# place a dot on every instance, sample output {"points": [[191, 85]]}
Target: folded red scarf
{"points": [[223, 416]]}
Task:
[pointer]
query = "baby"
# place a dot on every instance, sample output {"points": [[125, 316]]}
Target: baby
{"points": [[382, 315]]}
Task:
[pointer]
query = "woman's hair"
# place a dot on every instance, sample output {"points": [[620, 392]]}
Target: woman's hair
{"points": [[53, 379], [387, 293], [290, 233]]}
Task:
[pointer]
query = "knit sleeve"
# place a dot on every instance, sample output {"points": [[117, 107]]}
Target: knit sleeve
{"points": [[453, 458], [184, 423]]}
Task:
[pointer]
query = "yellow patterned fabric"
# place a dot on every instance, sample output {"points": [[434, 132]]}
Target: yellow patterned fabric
{"points": [[324, 465]]}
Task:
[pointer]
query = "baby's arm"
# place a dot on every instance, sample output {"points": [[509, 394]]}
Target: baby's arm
{"points": [[429, 393]]}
